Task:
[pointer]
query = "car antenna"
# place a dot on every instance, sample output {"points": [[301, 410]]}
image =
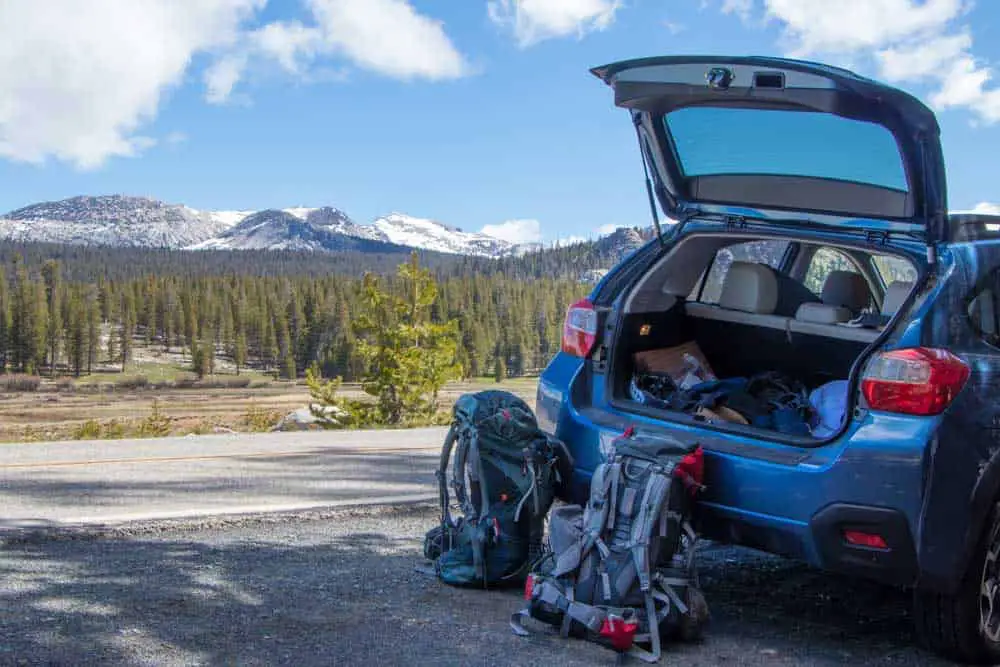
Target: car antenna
{"points": [[649, 183]]}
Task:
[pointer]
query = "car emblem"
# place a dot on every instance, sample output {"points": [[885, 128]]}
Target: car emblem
{"points": [[719, 78]]}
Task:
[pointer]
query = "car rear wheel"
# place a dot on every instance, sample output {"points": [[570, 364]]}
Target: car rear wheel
{"points": [[966, 626]]}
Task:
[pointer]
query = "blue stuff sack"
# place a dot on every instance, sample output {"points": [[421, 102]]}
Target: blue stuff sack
{"points": [[829, 404]]}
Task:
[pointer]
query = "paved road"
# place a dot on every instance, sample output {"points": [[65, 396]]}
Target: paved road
{"points": [[108, 482]]}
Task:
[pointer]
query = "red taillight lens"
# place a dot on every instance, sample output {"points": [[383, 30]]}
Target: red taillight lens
{"points": [[914, 381], [862, 539], [529, 586], [580, 329]]}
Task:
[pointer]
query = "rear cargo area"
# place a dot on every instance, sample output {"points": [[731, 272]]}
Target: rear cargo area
{"points": [[762, 338]]}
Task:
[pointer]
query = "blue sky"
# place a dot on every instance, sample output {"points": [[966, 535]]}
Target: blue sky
{"points": [[478, 114]]}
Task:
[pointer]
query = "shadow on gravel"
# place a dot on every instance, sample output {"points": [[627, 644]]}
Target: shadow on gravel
{"points": [[316, 477], [303, 598]]}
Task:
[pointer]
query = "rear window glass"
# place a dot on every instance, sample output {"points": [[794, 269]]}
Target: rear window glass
{"points": [[759, 252], [715, 141]]}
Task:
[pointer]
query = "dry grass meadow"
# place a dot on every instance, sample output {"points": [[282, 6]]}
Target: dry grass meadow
{"points": [[115, 405]]}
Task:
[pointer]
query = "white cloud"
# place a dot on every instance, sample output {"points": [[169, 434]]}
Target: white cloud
{"points": [[175, 138], [516, 231], [604, 230], [674, 28], [741, 8], [821, 26], [78, 79], [987, 208], [388, 37], [534, 21], [905, 41], [923, 59]]}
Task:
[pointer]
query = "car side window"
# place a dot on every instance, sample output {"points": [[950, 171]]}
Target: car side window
{"points": [[824, 262], [984, 310], [894, 269], [767, 252]]}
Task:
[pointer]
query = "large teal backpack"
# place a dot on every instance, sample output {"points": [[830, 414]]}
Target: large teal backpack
{"points": [[505, 474]]}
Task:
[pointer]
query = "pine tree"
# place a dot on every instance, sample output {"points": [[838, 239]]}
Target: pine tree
{"points": [[52, 276], [409, 358], [240, 352], [199, 359], [6, 322], [499, 369], [150, 303], [76, 334], [93, 328], [288, 370], [127, 329]]}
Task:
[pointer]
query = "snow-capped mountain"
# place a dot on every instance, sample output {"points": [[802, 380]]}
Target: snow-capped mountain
{"points": [[321, 229], [119, 220], [116, 220], [431, 235]]}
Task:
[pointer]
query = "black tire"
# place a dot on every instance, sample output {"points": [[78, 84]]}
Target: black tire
{"points": [[953, 625]]}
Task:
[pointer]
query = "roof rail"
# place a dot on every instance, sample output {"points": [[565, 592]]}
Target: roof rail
{"points": [[973, 227]]}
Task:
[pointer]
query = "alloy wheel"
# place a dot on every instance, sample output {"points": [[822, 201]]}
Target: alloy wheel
{"points": [[989, 589]]}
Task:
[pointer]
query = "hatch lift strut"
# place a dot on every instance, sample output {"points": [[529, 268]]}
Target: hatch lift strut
{"points": [[637, 121]]}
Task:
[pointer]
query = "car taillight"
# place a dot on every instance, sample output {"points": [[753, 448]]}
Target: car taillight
{"points": [[580, 329], [914, 381]]}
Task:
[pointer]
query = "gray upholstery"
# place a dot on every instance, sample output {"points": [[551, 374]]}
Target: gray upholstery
{"points": [[895, 295], [751, 288], [839, 331], [821, 313], [846, 289], [709, 312]]}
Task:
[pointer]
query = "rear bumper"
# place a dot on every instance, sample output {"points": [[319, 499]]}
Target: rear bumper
{"points": [[777, 498], [895, 565]]}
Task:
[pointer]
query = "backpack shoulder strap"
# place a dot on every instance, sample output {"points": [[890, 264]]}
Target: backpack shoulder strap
{"points": [[442, 475]]}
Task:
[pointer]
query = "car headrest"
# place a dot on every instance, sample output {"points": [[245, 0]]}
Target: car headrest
{"points": [[846, 289], [895, 294], [821, 313], [752, 288]]}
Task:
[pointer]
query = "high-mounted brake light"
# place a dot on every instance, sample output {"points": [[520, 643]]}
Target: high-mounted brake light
{"points": [[580, 329], [914, 381]]}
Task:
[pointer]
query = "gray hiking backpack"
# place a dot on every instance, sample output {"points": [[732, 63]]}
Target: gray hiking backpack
{"points": [[621, 570], [505, 474]]}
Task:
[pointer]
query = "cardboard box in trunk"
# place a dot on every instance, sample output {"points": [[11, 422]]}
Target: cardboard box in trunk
{"points": [[685, 364]]}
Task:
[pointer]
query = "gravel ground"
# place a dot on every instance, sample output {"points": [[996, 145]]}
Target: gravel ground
{"points": [[341, 587]]}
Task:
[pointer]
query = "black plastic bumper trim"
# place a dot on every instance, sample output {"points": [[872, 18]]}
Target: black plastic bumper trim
{"points": [[896, 565]]}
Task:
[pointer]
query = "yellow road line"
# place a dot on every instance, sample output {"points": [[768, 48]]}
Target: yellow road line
{"points": [[214, 457]]}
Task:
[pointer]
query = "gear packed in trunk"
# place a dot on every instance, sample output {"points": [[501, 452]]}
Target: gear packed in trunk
{"points": [[755, 333]]}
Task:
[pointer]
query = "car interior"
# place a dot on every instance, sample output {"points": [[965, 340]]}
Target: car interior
{"points": [[762, 305]]}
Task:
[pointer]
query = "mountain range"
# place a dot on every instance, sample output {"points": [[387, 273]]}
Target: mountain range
{"points": [[141, 222]]}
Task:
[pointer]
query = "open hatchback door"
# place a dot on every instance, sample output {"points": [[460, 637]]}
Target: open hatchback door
{"points": [[783, 141]]}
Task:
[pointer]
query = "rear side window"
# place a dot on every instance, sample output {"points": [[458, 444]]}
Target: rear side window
{"points": [[984, 311], [824, 262], [759, 252], [894, 269]]}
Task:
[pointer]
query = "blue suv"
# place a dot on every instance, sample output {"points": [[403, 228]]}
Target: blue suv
{"points": [[811, 241]]}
